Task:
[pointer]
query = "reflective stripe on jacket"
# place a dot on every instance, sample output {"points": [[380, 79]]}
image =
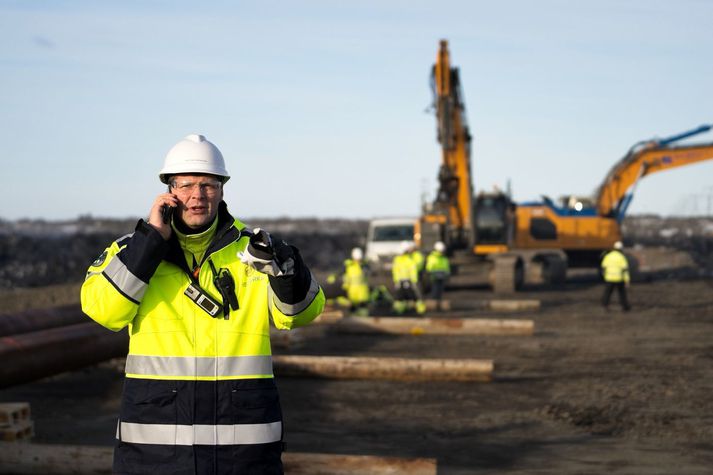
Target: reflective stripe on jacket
{"points": [[615, 267], [199, 395]]}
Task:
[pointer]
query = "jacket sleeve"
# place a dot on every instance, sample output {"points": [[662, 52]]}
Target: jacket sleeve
{"points": [[297, 299], [116, 282]]}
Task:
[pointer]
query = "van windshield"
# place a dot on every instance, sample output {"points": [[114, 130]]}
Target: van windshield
{"points": [[399, 232]]}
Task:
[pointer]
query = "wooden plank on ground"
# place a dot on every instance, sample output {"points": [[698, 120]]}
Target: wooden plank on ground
{"points": [[432, 305], [513, 305], [32, 459], [435, 326], [328, 464], [398, 369], [330, 316], [499, 305]]}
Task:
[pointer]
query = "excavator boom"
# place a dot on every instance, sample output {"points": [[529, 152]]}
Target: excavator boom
{"points": [[454, 200], [645, 158]]}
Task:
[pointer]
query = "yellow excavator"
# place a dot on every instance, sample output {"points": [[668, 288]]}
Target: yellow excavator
{"points": [[493, 240]]}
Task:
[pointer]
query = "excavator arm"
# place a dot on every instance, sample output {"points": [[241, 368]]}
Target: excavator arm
{"points": [[454, 199], [616, 191]]}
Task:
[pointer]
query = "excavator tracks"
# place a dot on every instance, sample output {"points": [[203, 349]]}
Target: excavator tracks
{"points": [[507, 273]]}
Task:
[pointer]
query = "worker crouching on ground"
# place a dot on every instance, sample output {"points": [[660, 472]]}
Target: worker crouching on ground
{"points": [[615, 270], [405, 275], [355, 284], [196, 290], [439, 269]]}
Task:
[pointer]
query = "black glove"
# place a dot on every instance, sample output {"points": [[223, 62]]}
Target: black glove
{"points": [[260, 245], [272, 257]]}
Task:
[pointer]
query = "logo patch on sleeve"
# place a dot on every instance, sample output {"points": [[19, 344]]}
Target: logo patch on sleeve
{"points": [[99, 260]]}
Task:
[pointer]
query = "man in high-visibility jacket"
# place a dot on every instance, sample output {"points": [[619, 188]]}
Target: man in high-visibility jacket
{"points": [[439, 269], [354, 281], [404, 272], [417, 257], [615, 270], [196, 290]]}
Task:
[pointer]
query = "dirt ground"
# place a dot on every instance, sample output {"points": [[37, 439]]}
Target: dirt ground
{"points": [[591, 392]]}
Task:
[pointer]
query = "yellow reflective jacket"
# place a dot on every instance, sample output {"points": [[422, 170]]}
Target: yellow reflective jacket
{"points": [[615, 267], [417, 257], [198, 389], [438, 263], [354, 282], [404, 268]]}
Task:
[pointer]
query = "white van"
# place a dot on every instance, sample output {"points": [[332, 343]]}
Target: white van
{"points": [[384, 238]]}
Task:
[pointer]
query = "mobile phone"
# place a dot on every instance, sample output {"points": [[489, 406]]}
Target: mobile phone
{"points": [[166, 213]]}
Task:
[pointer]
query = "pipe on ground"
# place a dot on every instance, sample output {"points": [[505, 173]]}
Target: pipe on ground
{"points": [[31, 356]]}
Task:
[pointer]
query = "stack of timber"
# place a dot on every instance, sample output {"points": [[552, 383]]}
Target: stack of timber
{"points": [[15, 422]]}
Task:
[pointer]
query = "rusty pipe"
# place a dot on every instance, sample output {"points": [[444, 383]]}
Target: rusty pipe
{"points": [[41, 319], [31, 356]]}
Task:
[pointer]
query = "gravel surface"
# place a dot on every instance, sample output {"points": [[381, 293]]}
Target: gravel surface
{"points": [[591, 392]]}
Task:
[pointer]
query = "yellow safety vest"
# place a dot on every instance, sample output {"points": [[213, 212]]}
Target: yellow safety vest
{"points": [[437, 262], [354, 282], [404, 268], [615, 267], [417, 257], [193, 382]]}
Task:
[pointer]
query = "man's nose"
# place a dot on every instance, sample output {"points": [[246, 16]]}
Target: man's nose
{"points": [[197, 192]]}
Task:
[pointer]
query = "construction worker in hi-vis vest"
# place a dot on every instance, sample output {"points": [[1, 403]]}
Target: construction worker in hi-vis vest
{"points": [[196, 290], [615, 271]]}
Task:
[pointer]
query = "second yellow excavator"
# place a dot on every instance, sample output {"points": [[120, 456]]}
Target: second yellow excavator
{"points": [[492, 239]]}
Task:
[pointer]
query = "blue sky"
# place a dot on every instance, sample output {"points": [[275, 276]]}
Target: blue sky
{"points": [[319, 106]]}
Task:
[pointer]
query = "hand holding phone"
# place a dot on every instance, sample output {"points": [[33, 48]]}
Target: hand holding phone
{"points": [[166, 214], [162, 212]]}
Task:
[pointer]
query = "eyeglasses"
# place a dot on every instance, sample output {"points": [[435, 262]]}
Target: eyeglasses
{"points": [[186, 187]]}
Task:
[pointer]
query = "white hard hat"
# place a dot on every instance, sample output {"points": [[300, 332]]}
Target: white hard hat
{"points": [[618, 245], [357, 254], [405, 246], [194, 154], [439, 246]]}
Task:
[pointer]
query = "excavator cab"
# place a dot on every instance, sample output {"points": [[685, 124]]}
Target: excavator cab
{"points": [[493, 219]]}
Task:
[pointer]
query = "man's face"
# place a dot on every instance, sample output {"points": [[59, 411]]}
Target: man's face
{"points": [[198, 198]]}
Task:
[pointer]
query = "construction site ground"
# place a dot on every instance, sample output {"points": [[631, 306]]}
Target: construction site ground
{"points": [[590, 392]]}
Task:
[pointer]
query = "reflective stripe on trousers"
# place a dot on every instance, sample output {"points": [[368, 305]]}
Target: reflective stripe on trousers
{"points": [[194, 366], [199, 434]]}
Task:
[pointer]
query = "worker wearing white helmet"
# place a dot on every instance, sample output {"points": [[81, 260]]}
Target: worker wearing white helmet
{"points": [[197, 290], [405, 274], [357, 254], [615, 271], [355, 282], [439, 269], [193, 164]]}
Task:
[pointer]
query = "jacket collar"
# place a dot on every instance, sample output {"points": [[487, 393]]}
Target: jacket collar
{"points": [[227, 231]]}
